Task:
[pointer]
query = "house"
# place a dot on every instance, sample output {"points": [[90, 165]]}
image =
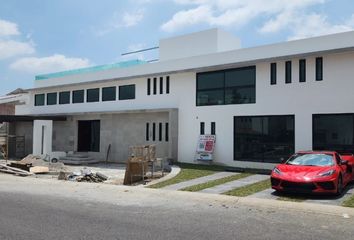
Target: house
{"points": [[262, 103]]}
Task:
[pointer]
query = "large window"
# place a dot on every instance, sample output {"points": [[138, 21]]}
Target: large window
{"points": [[51, 98], [126, 92], [93, 95], [234, 86], [109, 93], [78, 96], [263, 138], [333, 132], [64, 97], [39, 100]]}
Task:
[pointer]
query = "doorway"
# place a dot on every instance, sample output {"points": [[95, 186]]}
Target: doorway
{"points": [[89, 136]]}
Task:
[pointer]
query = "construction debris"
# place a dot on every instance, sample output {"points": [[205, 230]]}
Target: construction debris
{"points": [[39, 169], [85, 175], [12, 170]]}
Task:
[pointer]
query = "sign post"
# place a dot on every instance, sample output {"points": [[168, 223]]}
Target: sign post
{"points": [[205, 148]]}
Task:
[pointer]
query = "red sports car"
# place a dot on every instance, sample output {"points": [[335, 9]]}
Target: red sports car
{"points": [[314, 172]]}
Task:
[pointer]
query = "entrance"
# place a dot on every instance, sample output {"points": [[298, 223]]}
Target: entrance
{"points": [[89, 136]]}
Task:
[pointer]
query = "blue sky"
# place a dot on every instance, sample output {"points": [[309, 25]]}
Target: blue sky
{"points": [[41, 36]]}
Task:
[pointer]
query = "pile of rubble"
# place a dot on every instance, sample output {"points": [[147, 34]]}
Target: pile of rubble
{"points": [[85, 175]]}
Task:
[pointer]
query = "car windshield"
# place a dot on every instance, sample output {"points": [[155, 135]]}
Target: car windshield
{"points": [[317, 159]]}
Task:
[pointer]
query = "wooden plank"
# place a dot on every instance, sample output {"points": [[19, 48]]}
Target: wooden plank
{"points": [[39, 169]]}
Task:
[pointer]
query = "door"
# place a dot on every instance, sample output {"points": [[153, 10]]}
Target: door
{"points": [[88, 136]]}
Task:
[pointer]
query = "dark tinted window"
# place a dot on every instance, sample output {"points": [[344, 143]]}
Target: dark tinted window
{"points": [[109, 93], [273, 73], [288, 72], [333, 132], [78, 96], [233, 86], [213, 128], [166, 132], [161, 85], [155, 86], [160, 132], [168, 84], [153, 131], [64, 97], [93, 95], [147, 131], [202, 128], [148, 86], [302, 70], [39, 99], [319, 69], [51, 98], [263, 138], [126, 92]]}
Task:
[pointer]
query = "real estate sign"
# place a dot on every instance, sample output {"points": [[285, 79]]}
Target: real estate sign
{"points": [[205, 147]]}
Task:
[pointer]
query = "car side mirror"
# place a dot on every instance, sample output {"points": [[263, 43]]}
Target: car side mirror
{"points": [[343, 162]]}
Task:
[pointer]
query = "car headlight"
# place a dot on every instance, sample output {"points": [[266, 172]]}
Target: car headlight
{"points": [[327, 173], [277, 171]]}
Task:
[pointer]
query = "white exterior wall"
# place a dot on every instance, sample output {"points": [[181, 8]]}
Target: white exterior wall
{"points": [[332, 95]]}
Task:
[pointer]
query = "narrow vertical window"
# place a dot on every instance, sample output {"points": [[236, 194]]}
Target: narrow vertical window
{"points": [[302, 70], [202, 128], [213, 128], [319, 69], [273, 73], [147, 131], [166, 132], [148, 86], [153, 131], [161, 85], [155, 86], [160, 132], [167, 84], [288, 72]]}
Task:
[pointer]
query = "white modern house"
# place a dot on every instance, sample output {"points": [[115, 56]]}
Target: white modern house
{"points": [[262, 103]]}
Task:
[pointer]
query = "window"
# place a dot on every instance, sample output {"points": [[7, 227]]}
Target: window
{"points": [[160, 132], [302, 70], [109, 94], [52, 98], [153, 131], [213, 128], [64, 97], [93, 95], [127, 92], [202, 128], [235, 86], [273, 73], [167, 84], [148, 86], [166, 132], [288, 72], [161, 85], [334, 132], [263, 138], [155, 86], [319, 69], [147, 131], [39, 100], [78, 96]]}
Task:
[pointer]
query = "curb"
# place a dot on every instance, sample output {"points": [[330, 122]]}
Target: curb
{"points": [[175, 170]]}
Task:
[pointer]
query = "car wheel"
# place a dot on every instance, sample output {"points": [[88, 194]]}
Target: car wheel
{"points": [[340, 186]]}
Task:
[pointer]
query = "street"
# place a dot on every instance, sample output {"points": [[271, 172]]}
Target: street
{"points": [[46, 209]]}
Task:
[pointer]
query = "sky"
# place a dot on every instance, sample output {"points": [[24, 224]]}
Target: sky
{"points": [[44, 36]]}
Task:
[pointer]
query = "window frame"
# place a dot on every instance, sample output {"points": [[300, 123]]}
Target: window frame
{"points": [[302, 70], [78, 92], [49, 103], [92, 95], [126, 86], [288, 72], [61, 95], [319, 68], [273, 73], [36, 104], [105, 98]]}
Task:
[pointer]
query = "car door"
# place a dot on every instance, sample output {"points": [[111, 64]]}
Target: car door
{"points": [[346, 175]]}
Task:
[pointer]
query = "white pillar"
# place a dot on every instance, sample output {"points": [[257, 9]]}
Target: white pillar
{"points": [[42, 137]]}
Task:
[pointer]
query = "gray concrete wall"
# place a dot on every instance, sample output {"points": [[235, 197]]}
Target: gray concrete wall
{"points": [[121, 131]]}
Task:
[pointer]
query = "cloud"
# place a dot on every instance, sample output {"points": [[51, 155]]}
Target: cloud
{"points": [[54, 63], [125, 20], [11, 48], [8, 28]]}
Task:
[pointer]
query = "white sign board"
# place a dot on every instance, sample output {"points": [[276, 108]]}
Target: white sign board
{"points": [[205, 147]]}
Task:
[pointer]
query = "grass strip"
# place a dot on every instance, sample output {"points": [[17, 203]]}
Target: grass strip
{"points": [[189, 172], [216, 182], [349, 202], [249, 189]]}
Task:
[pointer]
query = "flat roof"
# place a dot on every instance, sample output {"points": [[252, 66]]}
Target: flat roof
{"points": [[30, 118]]}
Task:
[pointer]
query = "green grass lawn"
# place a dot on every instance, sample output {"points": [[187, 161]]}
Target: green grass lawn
{"points": [[349, 202], [249, 189], [188, 172], [216, 182]]}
